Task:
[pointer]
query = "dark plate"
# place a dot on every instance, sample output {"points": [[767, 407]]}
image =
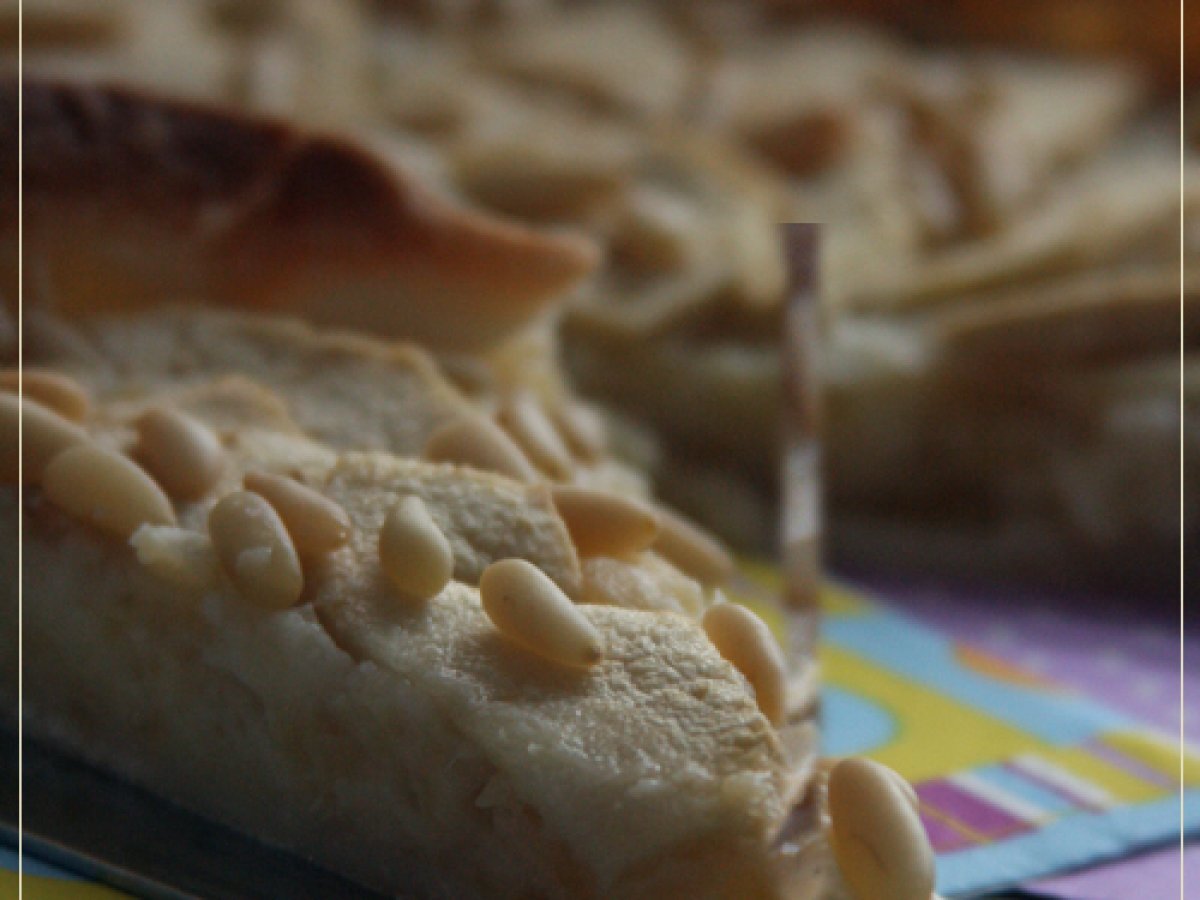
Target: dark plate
{"points": [[83, 820]]}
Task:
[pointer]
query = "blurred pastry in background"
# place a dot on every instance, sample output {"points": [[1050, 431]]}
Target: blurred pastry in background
{"points": [[1002, 233]]}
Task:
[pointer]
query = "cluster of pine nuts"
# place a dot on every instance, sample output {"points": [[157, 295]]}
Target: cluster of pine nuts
{"points": [[582, 429], [529, 608], [261, 534], [100, 486], [524, 441], [258, 533], [527, 442], [316, 524], [46, 434], [51, 389], [527, 423], [876, 833]]}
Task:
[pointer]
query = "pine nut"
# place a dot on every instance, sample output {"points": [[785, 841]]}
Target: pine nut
{"points": [[603, 523], [46, 434], [480, 443], [877, 838], [414, 554], [255, 550], [182, 454], [316, 523], [525, 420], [583, 429], [532, 611], [828, 763], [693, 549], [105, 489], [744, 640], [60, 393]]}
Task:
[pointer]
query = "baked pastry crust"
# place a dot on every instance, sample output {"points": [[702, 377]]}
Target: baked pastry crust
{"points": [[317, 727], [131, 199]]}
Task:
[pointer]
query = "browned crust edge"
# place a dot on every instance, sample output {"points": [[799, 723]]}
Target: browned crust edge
{"points": [[248, 211]]}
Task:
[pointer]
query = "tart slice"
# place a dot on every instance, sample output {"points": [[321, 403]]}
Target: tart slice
{"points": [[230, 604]]}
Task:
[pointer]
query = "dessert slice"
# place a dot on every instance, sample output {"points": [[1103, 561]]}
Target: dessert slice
{"points": [[310, 642]]}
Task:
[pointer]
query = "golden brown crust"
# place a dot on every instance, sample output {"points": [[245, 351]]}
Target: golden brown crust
{"points": [[131, 198]]}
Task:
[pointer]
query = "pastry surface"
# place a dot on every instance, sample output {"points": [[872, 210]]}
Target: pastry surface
{"points": [[408, 744]]}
